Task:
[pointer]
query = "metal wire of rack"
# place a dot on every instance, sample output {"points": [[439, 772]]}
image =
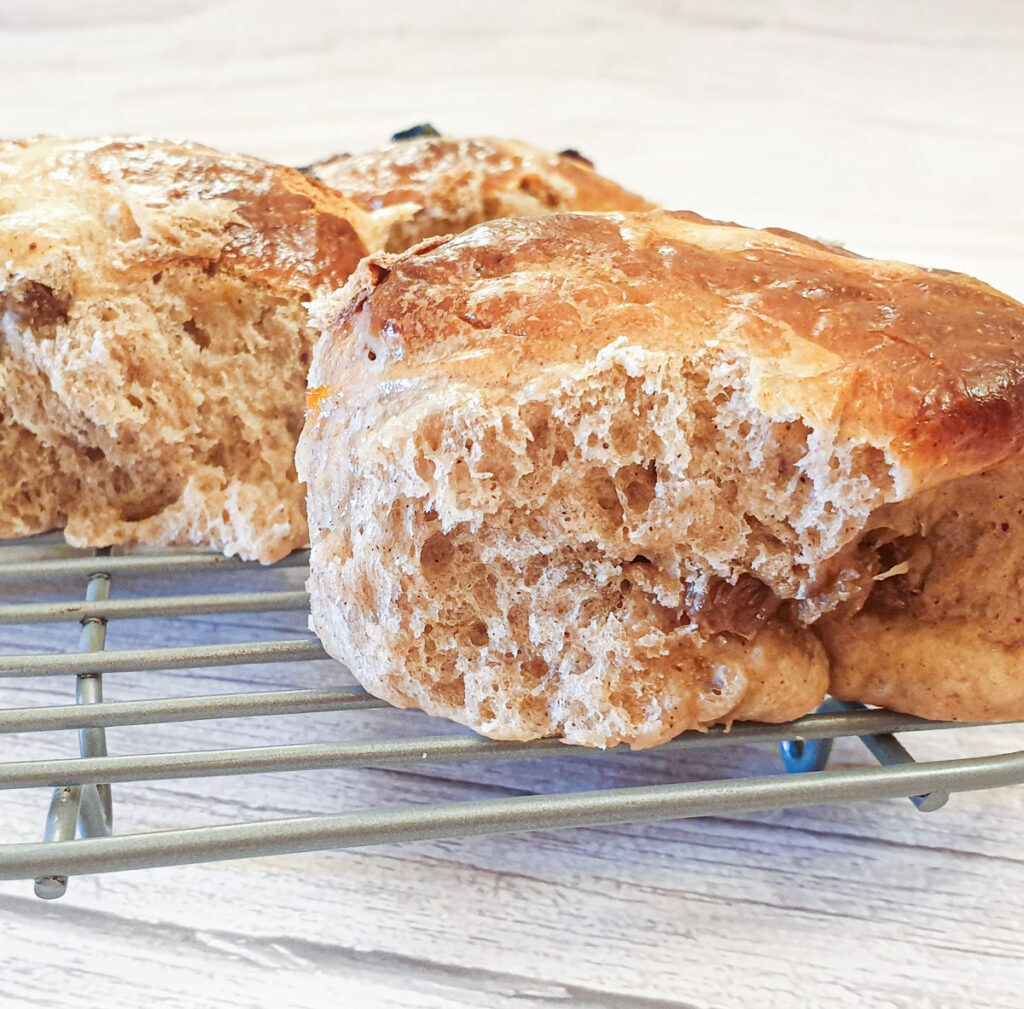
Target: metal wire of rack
{"points": [[78, 836]]}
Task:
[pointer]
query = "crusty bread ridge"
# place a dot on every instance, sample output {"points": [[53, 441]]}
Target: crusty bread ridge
{"points": [[601, 476], [446, 184]]}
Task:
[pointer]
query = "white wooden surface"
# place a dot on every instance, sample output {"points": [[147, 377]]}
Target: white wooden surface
{"points": [[894, 126]]}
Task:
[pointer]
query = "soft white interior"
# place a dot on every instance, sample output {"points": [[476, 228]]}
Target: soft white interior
{"points": [[164, 411], [540, 560]]}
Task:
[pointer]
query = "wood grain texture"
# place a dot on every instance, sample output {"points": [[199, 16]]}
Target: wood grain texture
{"points": [[894, 126]]}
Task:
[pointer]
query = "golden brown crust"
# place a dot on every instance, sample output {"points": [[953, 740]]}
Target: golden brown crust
{"points": [[447, 185], [950, 671], [153, 340], [181, 202], [925, 364]]}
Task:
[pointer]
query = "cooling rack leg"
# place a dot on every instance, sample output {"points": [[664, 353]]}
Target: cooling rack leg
{"points": [[889, 751], [92, 742], [813, 754], [60, 826], [93, 815], [88, 806], [97, 813], [801, 755], [805, 754]]}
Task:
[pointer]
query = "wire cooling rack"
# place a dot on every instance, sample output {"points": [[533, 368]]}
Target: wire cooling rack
{"points": [[78, 836]]}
